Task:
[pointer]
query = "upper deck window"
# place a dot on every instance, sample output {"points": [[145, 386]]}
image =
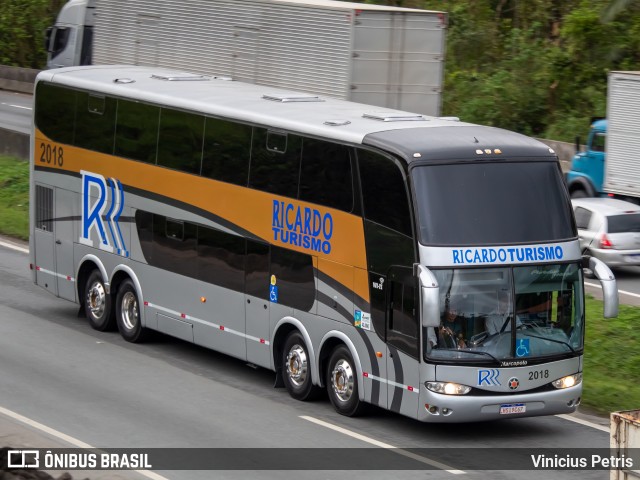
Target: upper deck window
{"points": [[137, 131], [492, 203], [275, 162], [384, 192]]}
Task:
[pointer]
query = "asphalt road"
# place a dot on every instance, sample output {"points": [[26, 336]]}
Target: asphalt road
{"points": [[15, 111], [100, 390]]}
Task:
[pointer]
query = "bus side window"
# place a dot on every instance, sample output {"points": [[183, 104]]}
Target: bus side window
{"points": [[221, 258], [55, 112], [144, 225], [325, 175], [294, 276], [257, 269], [95, 122], [384, 192], [180, 140], [174, 245], [272, 170], [137, 131], [227, 147]]}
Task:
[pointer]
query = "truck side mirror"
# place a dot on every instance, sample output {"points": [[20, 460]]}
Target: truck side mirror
{"points": [[608, 282], [429, 296], [578, 144]]}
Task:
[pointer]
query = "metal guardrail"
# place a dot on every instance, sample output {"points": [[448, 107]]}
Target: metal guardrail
{"points": [[17, 79]]}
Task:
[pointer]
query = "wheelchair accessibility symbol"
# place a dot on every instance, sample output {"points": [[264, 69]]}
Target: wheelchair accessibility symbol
{"points": [[273, 293], [522, 350]]}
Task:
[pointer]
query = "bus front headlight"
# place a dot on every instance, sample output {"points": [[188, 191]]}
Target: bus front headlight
{"points": [[568, 381], [447, 388]]}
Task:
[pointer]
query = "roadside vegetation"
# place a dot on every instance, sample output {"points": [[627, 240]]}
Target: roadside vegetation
{"points": [[537, 67], [14, 197], [612, 357]]}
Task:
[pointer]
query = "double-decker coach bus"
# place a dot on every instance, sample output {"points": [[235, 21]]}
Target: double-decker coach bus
{"points": [[425, 265]]}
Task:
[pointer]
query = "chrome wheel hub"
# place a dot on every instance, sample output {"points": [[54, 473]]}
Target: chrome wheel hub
{"points": [[297, 366], [96, 299], [129, 310], [342, 380]]}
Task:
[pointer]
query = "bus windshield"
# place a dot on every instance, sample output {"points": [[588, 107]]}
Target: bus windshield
{"points": [[513, 313], [484, 203]]}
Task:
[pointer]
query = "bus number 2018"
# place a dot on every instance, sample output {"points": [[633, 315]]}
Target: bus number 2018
{"points": [[540, 374], [50, 155]]}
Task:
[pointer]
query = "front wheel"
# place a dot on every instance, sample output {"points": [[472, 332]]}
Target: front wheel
{"points": [[97, 303], [296, 368], [342, 383], [128, 313]]}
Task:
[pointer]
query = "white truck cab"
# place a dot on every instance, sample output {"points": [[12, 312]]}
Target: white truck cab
{"points": [[69, 41]]}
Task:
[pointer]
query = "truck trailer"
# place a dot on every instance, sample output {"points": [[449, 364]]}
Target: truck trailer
{"points": [[609, 164], [385, 56]]}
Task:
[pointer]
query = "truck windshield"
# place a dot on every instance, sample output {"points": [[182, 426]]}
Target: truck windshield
{"points": [[492, 203], [514, 313]]}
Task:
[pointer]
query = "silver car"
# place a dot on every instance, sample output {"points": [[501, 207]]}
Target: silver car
{"points": [[609, 230]]}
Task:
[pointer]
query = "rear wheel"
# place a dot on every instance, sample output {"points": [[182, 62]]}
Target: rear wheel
{"points": [[296, 368], [128, 313], [342, 383], [97, 303], [579, 193]]}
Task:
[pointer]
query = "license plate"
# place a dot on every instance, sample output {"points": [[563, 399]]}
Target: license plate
{"points": [[510, 408]]}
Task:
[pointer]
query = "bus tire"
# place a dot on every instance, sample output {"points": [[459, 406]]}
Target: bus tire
{"points": [[579, 193], [97, 303], [128, 313], [296, 368], [342, 383]]}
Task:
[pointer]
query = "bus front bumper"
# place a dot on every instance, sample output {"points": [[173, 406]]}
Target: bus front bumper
{"points": [[439, 408]]}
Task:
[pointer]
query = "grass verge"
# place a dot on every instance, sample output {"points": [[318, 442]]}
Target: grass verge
{"points": [[14, 197], [611, 359]]}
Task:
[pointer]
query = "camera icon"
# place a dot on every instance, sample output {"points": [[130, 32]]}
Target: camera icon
{"points": [[23, 459]]}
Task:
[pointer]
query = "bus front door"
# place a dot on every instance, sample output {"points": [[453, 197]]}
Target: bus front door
{"points": [[403, 342]]}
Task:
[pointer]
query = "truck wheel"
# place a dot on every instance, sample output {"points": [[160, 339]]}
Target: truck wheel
{"points": [[579, 193], [128, 313], [342, 383], [97, 303], [296, 368]]}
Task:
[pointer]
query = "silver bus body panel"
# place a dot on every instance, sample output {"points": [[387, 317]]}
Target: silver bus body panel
{"points": [[241, 325], [474, 409]]}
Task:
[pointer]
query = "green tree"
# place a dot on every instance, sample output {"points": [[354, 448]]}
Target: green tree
{"points": [[535, 66], [22, 27]]}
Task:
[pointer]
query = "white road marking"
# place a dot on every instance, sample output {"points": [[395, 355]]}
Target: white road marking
{"points": [[380, 444], [584, 422], [63, 436], [619, 291], [370, 440], [17, 106], [14, 247]]}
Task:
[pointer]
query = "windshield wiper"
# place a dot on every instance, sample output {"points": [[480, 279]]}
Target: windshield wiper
{"points": [[550, 339], [479, 352]]}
